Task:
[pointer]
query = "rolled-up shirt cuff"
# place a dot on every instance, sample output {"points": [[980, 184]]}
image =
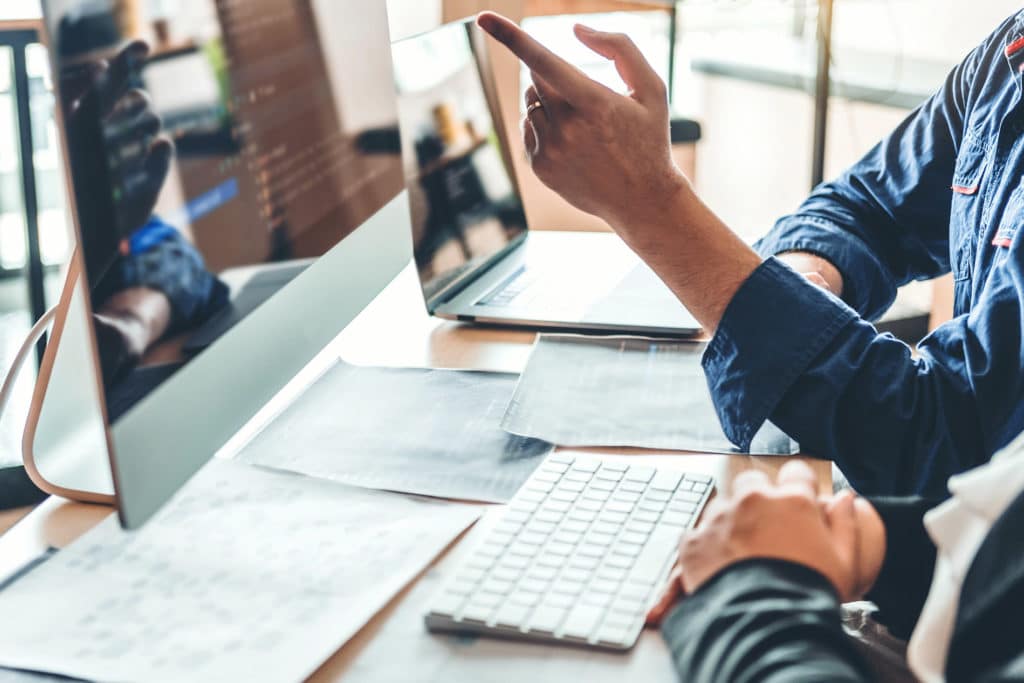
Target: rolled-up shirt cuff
{"points": [[775, 326], [867, 286]]}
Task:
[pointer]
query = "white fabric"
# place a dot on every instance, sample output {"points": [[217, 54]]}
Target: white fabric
{"points": [[958, 528]]}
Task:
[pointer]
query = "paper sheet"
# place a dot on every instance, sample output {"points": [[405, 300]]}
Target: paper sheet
{"points": [[624, 391], [247, 575], [431, 432]]}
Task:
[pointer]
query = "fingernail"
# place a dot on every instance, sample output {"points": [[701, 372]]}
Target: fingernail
{"points": [[585, 29]]}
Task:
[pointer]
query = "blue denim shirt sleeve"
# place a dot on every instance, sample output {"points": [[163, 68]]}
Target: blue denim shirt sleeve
{"points": [[895, 424], [884, 222]]}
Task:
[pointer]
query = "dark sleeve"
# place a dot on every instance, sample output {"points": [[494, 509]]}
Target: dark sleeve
{"points": [[909, 564], [765, 621]]}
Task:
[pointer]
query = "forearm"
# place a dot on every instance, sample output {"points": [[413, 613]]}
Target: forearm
{"points": [[697, 256], [764, 621]]}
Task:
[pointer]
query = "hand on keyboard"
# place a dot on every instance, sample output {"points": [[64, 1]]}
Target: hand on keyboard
{"points": [[840, 536]]}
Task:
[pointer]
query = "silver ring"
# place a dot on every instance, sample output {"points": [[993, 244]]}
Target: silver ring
{"points": [[534, 106]]}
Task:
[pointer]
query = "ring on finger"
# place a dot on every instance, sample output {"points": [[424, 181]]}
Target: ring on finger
{"points": [[534, 106]]}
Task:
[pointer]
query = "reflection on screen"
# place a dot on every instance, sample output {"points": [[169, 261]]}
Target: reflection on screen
{"points": [[465, 208], [228, 133]]}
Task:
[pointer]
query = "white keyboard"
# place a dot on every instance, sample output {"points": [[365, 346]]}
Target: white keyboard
{"points": [[579, 557]]}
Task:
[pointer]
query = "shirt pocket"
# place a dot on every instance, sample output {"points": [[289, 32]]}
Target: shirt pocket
{"points": [[965, 212]]}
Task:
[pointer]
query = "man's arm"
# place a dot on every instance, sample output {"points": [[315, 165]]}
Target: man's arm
{"points": [[783, 348]]}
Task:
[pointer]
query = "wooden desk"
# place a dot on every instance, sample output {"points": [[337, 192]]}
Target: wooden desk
{"points": [[396, 331]]}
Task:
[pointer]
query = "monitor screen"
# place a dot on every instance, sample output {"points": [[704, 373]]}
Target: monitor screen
{"points": [[217, 149], [466, 209]]}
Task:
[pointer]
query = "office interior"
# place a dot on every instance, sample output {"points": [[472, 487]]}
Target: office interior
{"points": [[742, 77]]}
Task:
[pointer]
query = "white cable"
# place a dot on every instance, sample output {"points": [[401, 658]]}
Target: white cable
{"points": [[37, 331]]}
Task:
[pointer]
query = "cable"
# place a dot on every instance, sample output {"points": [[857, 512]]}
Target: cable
{"points": [[37, 331]]}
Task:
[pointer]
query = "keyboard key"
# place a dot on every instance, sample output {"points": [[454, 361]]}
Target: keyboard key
{"points": [[688, 496], [547, 515], [545, 476], [525, 598], [547, 619], [448, 604], [577, 475], [589, 505], [619, 506], [639, 473], [654, 557], [639, 527], [570, 537], [598, 599], [702, 478], [556, 467], [646, 516], [619, 561], [506, 574], [605, 528], [614, 635], [523, 549], [613, 517], [587, 465], [602, 485], [559, 548], [666, 480], [598, 494], [565, 600], [543, 528], [564, 496], [592, 550], [540, 485], [633, 487], [609, 473], [546, 574], [532, 537], [582, 621], [699, 488], [567, 587], [497, 586], [632, 538], [559, 506], [603, 586], [678, 518], [477, 613], [585, 562], [600, 538], [514, 562], [626, 549], [512, 615], [576, 526], [531, 496], [662, 496], [651, 505], [583, 516]]}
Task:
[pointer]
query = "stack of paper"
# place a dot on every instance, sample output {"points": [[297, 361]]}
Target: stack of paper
{"points": [[624, 391], [247, 575]]}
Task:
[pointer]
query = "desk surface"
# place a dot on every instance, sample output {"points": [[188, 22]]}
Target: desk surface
{"points": [[396, 331]]}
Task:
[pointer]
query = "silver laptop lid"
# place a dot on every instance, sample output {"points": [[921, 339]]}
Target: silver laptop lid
{"points": [[467, 211]]}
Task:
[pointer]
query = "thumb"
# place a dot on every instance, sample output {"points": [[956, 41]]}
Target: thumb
{"points": [[639, 76], [842, 521]]}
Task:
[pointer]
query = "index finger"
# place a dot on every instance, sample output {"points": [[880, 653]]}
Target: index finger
{"points": [[570, 81]]}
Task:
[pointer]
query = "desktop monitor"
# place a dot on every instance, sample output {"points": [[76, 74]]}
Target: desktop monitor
{"points": [[239, 198]]}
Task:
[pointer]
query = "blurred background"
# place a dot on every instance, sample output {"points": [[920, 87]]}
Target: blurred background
{"points": [[742, 76]]}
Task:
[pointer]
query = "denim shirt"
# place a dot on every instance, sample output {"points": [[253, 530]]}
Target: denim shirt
{"points": [[942, 193]]}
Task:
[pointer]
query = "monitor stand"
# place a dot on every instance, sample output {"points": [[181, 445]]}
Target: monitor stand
{"points": [[65, 445]]}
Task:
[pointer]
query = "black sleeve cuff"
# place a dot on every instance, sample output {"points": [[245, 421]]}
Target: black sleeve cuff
{"points": [[763, 620], [906, 575]]}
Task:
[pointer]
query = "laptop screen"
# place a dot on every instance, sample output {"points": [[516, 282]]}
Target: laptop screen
{"points": [[217, 149], [466, 209]]}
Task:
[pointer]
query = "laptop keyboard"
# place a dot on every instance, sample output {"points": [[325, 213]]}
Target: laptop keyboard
{"points": [[579, 556], [511, 290]]}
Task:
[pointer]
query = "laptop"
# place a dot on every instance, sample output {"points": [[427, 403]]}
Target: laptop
{"points": [[477, 259]]}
